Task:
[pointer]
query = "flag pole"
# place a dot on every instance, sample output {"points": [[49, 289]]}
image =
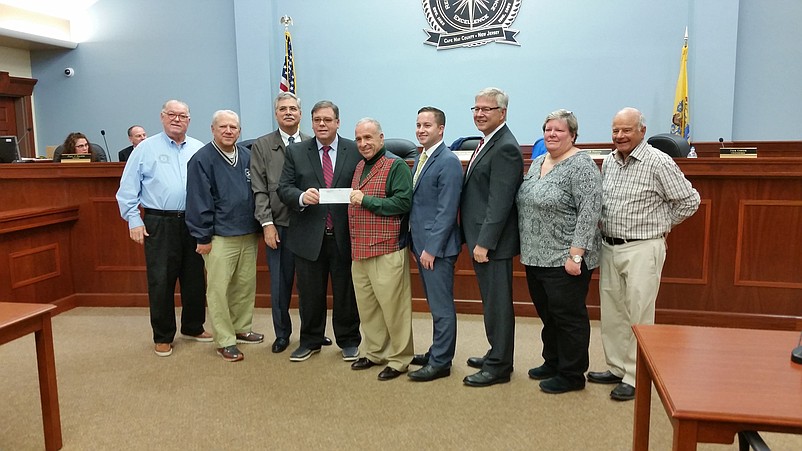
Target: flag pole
{"points": [[288, 81]]}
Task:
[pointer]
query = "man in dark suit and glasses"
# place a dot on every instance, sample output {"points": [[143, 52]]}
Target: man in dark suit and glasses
{"points": [[489, 222], [318, 233], [267, 161]]}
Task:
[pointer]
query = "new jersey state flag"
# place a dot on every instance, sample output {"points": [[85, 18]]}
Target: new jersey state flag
{"points": [[681, 121]]}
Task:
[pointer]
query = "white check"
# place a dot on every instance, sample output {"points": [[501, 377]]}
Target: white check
{"points": [[335, 195]]}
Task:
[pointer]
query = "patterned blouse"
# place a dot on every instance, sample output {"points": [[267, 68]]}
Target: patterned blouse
{"points": [[560, 210]]}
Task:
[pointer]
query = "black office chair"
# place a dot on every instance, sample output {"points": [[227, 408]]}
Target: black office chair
{"points": [[466, 143], [674, 145], [751, 440], [247, 143], [402, 148]]}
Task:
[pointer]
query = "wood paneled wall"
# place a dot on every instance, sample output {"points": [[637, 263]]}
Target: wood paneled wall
{"points": [[733, 263]]}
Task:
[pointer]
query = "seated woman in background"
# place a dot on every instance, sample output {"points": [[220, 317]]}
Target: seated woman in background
{"points": [[76, 143]]}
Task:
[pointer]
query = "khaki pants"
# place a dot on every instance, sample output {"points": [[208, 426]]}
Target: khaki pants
{"points": [[231, 286], [384, 299], [628, 285]]}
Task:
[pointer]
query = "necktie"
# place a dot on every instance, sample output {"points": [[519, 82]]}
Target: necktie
{"points": [[423, 157], [476, 152], [291, 139], [328, 176]]}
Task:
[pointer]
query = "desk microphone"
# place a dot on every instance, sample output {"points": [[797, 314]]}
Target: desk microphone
{"points": [[106, 150], [721, 141], [796, 354], [24, 135]]}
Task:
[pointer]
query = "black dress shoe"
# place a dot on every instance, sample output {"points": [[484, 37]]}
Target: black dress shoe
{"points": [[389, 373], [429, 373], [280, 345], [420, 360], [623, 392], [559, 384], [362, 363], [603, 377], [485, 379], [476, 362], [542, 372], [326, 341]]}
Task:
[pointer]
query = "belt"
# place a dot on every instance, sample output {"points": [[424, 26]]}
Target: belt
{"points": [[617, 241], [167, 213], [328, 232]]}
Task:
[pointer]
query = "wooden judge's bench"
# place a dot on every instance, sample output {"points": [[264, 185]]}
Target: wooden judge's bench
{"points": [[735, 263]]}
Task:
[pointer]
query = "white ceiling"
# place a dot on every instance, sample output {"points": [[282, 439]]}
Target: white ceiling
{"points": [[65, 9]]}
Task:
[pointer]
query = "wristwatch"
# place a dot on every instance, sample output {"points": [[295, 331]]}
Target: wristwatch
{"points": [[576, 258]]}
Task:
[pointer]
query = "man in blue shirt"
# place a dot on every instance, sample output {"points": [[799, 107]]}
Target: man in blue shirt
{"points": [[155, 177]]}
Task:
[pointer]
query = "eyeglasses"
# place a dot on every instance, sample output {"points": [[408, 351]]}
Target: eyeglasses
{"points": [[180, 116], [484, 109], [327, 120]]}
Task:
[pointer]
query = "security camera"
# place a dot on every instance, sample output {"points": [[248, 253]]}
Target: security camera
{"points": [[69, 72]]}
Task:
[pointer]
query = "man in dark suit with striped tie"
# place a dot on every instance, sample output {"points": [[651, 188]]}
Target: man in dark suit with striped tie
{"points": [[318, 234]]}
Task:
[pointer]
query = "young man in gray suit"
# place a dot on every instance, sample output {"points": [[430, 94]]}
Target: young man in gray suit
{"points": [[267, 161], [318, 233], [489, 221], [436, 240]]}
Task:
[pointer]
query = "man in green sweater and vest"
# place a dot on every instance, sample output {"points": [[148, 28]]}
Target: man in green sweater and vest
{"points": [[378, 221]]}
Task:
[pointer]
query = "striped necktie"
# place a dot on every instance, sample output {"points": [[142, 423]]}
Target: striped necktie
{"points": [[476, 152], [328, 177]]}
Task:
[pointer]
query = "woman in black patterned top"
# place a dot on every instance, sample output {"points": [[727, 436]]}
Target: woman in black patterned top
{"points": [[559, 206]]}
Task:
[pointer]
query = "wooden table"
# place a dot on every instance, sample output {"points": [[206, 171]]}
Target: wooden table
{"points": [[18, 320], [715, 382]]}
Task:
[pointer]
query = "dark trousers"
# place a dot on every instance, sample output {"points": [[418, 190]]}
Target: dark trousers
{"points": [[495, 286], [313, 279], [170, 256], [560, 302], [438, 284], [282, 272]]}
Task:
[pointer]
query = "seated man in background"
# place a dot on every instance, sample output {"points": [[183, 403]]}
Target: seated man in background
{"points": [[136, 134], [77, 143]]}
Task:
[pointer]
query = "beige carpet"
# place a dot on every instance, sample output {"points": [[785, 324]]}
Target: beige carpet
{"points": [[116, 394]]}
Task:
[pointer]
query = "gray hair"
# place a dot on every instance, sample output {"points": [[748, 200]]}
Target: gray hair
{"points": [[501, 97], [568, 117], [370, 120], [219, 113], [286, 95], [164, 107], [326, 104]]}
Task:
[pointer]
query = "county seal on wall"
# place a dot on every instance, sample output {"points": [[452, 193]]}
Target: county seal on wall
{"points": [[468, 23]]}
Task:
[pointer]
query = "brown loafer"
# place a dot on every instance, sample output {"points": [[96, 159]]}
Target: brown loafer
{"points": [[250, 338], [230, 354], [163, 349]]}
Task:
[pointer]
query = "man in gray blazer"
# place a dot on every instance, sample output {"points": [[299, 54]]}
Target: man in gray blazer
{"points": [[489, 221], [436, 240], [267, 161], [318, 234]]}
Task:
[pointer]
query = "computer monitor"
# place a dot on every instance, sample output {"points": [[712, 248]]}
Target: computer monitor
{"points": [[9, 149]]}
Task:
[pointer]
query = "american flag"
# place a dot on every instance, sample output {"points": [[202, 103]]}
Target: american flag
{"points": [[288, 71]]}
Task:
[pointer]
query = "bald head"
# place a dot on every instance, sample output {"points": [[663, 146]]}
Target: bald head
{"points": [[629, 129]]}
